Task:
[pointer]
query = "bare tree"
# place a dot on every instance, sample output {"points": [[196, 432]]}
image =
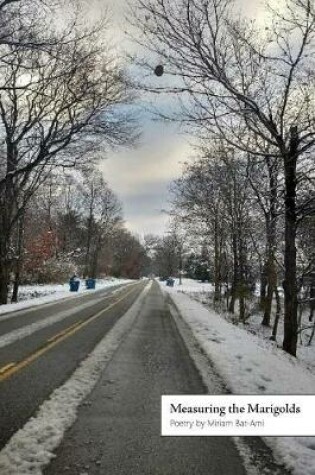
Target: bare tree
{"points": [[264, 180], [216, 193], [129, 257], [60, 103], [250, 86], [103, 215], [197, 196]]}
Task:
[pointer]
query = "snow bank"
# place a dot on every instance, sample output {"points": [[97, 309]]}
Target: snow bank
{"points": [[31, 448], [34, 295], [204, 294], [249, 367], [191, 286]]}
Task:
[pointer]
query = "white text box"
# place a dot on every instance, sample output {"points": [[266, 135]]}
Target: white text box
{"points": [[229, 415]]}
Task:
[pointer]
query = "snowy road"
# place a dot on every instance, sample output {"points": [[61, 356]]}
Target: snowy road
{"points": [[41, 347], [118, 427], [131, 352]]}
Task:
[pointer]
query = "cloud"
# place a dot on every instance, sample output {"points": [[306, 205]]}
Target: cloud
{"points": [[142, 225], [160, 161], [141, 177]]}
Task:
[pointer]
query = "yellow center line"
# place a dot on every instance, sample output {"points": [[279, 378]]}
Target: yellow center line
{"points": [[55, 337], [12, 368], [5, 368]]}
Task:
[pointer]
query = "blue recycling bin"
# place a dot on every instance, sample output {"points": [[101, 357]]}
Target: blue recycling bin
{"points": [[74, 285], [170, 282], [90, 283]]}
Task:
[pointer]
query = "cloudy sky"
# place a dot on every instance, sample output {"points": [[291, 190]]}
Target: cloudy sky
{"points": [[141, 176]]}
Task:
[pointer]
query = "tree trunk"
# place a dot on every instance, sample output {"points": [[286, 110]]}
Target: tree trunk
{"points": [[235, 281], [5, 263], [271, 224], [268, 305], [289, 284], [87, 266], [272, 284], [311, 336], [242, 286], [263, 288], [93, 269], [180, 260], [277, 317], [217, 294], [4, 278], [242, 307], [18, 264], [231, 308], [7, 207], [16, 285], [233, 290]]}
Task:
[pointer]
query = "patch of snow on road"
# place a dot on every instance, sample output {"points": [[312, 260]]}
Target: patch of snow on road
{"points": [[51, 293], [31, 448], [247, 367]]}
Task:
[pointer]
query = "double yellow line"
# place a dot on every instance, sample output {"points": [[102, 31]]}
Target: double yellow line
{"points": [[12, 368]]}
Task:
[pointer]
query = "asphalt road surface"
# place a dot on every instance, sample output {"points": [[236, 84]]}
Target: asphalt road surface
{"points": [[32, 366], [118, 427]]}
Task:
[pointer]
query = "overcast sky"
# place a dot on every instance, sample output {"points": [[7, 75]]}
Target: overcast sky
{"points": [[141, 177]]}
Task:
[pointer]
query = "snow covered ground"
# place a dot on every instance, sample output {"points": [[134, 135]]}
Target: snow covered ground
{"points": [[33, 295], [250, 364], [203, 293]]}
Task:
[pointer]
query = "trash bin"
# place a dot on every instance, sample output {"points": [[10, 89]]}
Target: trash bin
{"points": [[90, 283], [74, 285], [170, 282]]}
